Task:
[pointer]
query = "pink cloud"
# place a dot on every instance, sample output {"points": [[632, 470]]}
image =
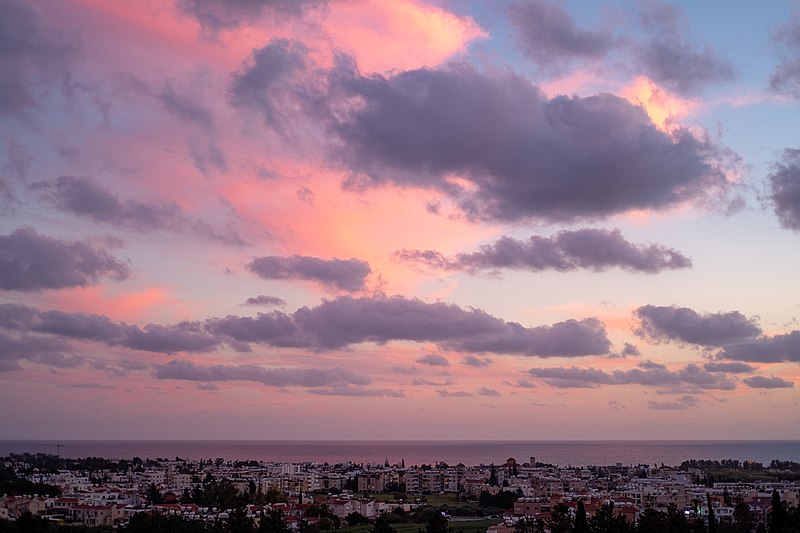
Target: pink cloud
{"points": [[402, 34]]}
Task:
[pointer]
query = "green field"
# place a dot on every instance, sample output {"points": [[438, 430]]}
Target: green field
{"points": [[473, 526]]}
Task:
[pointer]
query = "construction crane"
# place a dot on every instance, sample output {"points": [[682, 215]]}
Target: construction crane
{"points": [[56, 446]]}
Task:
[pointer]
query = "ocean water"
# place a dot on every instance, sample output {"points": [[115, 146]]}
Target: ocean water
{"points": [[576, 453]]}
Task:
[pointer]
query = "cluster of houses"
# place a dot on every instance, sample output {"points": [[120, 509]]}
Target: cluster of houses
{"points": [[111, 498]]}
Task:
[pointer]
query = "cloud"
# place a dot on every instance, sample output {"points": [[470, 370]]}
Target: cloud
{"points": [[547, 34], [85, 386], [273, 377], [455, 394], [359, 391], [522, 156], [433, 360], [44, 351], [785, 79], [33, 262], [672, 58], [423, 381], [34, 58], [474, 360], [216, 15], [684, 402], [273, 77], [266, 300], [591, 249], [763, 382], [341, 274], [729, 368], [486, 391], [77, 325], [85, 198], [346, 320], [646, 373], [184, 107], [784, 184], [333, 324], [628, 350], [181, 337], [517, 154], [661, 323], [775, 349]]}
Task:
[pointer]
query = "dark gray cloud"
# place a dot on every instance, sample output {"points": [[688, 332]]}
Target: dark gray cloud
{"points": [[433, 359], [85, 198], [333, 324], [763, 382], [266, 300], [17, 316], [474, 360], [346, 320], [646, 373], [207, 157], [564, 159], [673, 58], [628, 350], [486, 391], [41, 350], [684, 402], [34, 57], [274, 377], [186, 108], [729, 368], [775, 349], [82, 326], [524, 156], [341, 274], [785, 79], [181, 337], [33, 262], [216, 15], [275, 328], [784, 183], [592, 249], [271, 80], [661, 323], [547, 34]]}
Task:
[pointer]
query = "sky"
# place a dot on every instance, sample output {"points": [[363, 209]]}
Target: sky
{"points": [[405, 219]]}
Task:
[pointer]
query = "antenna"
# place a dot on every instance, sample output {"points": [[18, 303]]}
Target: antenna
{"points": [[56, 446]]}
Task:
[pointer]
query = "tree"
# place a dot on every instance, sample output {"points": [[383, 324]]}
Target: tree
{"points": [[239, 522], [560, 519], [604, 521], [529, 525], [777, 520], [581, 523], [436, 522], [274, 522], [355, 519], [382, 525], [492, 476], [712, 520], [153, 495]]}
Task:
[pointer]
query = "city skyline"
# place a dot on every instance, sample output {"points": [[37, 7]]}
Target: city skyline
{"points": [[409, 220]]}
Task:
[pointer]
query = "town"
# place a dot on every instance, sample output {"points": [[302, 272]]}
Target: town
{"points": [[306, 497]]}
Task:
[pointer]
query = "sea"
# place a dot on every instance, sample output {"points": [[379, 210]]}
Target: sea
{"points": [[561, 453]]}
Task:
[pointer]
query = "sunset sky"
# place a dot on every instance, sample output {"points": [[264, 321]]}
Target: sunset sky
{"points": [[371, 219]]}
